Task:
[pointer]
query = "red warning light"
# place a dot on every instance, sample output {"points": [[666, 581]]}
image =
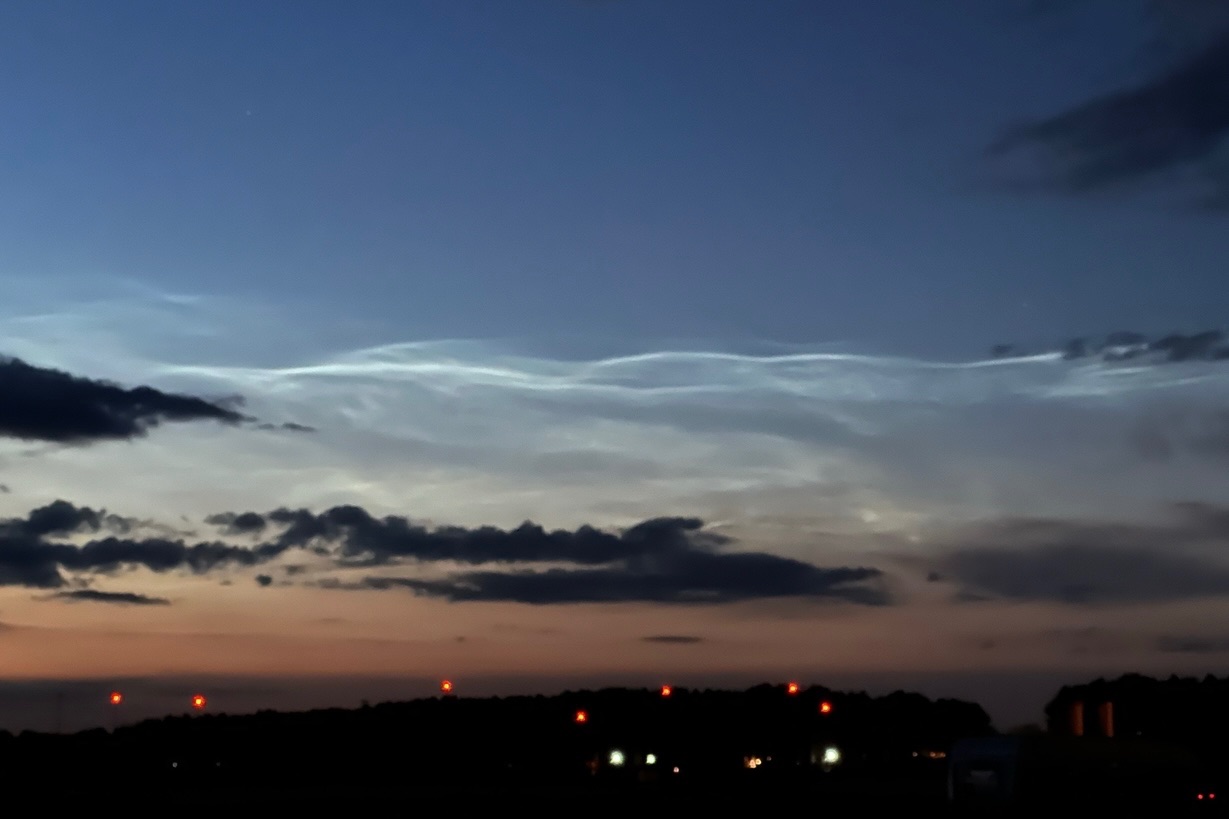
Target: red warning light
{"points": [[116, 698], [825, 707], [198, 701], [581, 717], [446, 686], [792, 688], [666, 690]]}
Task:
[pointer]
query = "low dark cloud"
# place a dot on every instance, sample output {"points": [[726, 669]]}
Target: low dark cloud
{"points": [[1080, 563], [1190, 644], [668, 560], [32, 553], [114, 598], [42, 404], [1080, 641], [672, 639], [696, 579], [1178, 120], [355, 537]]}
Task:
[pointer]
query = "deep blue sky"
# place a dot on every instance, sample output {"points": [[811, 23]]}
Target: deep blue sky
{"points": [[418, 233], [632, 170]]}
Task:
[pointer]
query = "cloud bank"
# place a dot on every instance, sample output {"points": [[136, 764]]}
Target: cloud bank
{"points": [[666, 560], [1086, 563]]}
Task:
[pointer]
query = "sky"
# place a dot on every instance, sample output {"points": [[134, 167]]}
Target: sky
{"points": [[571, 343]]}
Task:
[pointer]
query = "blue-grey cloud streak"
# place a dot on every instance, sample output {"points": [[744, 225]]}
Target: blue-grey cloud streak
{"points": [[1175, 120]]}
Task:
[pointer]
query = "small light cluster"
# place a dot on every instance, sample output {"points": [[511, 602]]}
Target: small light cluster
{"points": [[117, 698]]}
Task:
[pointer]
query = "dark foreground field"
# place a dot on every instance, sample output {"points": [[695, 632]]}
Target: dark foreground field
{"points": [[738, 795], [754, 796], [574, 799]]}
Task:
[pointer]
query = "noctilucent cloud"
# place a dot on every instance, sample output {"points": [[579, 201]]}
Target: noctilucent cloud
{"points": [[584, 342]]}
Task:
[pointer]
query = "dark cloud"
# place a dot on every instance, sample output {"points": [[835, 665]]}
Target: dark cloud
{"points": [[1188, 644], [691, 579], [673, 639], [115, 598], [355, 537], [32, 556], [1126, 345], [43, 404], [4, 489], [1082, 641], [1087, 563], [669, 559], [245, 523], [1175, 121], [289, 426]]}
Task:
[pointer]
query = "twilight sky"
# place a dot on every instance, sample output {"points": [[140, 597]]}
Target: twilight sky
{"points": [[585, 342]]}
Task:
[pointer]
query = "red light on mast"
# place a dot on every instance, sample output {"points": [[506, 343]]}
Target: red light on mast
{"points": [[825, 707], [581, 717], [666, 690], [116, 698], [198, 701], [792, 688], [446, 686]]}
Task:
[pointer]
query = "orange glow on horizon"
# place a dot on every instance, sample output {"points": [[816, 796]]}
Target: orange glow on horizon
{"points": [[446, 686], [198, 701], [825, 707], [666, 690], [792, 688], [582, 717], [116, 698]]}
